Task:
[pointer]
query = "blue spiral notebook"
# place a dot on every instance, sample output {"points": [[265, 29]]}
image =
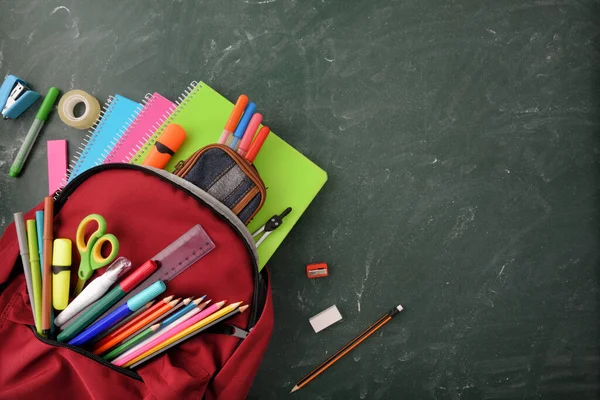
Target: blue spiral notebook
{"points": [[116, 115]]}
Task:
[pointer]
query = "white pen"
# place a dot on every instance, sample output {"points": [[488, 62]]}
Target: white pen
{"points": [[94, 290]]}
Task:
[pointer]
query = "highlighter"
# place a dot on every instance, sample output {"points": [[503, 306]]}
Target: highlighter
{"points": [[61, 273], [166, 145]]}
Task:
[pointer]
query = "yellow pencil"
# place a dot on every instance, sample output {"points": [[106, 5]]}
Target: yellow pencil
{"points": [[185, 332]]}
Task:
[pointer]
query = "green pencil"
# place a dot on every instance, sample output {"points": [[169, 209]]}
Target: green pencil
{"points": [[146, 333]]}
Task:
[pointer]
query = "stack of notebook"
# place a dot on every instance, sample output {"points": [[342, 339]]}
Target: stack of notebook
{"points": [[126, 131]]}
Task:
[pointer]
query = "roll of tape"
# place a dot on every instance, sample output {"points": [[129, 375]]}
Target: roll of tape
{"points": [[67, 104]]}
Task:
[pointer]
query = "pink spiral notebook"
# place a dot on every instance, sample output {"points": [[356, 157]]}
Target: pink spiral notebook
{"points": [[156, 110]]}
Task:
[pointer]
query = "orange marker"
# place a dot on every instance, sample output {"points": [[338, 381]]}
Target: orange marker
{"points": [[166, 145], [234, 118], [135, 324], [257, 144]]}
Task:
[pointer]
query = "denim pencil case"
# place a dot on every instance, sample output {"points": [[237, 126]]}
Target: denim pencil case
{"points": [[224, 174]]}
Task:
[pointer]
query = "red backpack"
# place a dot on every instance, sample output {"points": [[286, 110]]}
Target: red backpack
{"points": [[146, 209]]}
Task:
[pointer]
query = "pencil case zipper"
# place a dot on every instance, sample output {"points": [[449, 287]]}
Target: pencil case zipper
{"points": [[79, 179], [129, 373], [183, 167]]}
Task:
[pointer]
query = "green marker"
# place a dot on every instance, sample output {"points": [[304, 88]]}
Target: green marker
{"points": [[36, 277], [32, 135]]}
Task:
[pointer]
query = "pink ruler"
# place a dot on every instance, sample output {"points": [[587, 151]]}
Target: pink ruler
{"points": [[156, 110], [57, 164]]}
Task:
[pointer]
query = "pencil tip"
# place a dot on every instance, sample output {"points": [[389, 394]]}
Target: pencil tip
{"points": [[187, 301], [220, 304], [202, 305], [244, 308], [235, 305], [197, 301], [294, 389], [168, 299], [174, 302], [155, 327]]}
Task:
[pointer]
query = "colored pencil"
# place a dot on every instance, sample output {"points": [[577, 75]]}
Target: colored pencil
{"points": [[191, 327], [130, 320], [189, 335], [170, 328], [347, 348], [135, 325], [148, 332], [167, 333]]}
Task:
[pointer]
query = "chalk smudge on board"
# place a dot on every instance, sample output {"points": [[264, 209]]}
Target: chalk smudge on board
{"points": [[368, 261], [60, 8]]}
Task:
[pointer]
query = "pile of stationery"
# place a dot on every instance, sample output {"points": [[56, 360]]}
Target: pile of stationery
{"points": [[115, 316]]}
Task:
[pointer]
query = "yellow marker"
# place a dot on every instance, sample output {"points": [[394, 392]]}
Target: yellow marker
{"points": [[61, 273]]}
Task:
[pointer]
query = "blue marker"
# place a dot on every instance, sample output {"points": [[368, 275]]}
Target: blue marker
{"points": [[132, 305], [39, 227], [241, 128]]}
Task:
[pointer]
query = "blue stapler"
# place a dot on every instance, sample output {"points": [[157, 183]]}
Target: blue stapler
{"points": [[15, 97]]}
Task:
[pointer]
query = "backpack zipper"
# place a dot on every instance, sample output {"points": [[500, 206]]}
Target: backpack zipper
{"points": [[85, 353], [63, 196]]}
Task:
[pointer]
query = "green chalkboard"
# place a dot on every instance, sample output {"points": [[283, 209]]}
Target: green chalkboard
{"points": [[461, 143]]}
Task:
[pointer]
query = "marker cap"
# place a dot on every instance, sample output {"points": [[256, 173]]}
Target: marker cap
{"points": [[137, 276], [61, 253], [140, 299]]}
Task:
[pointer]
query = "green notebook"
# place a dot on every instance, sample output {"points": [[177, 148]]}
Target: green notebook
{"points": [[292, 180]]}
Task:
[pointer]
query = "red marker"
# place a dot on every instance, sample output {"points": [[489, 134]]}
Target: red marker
{"points": [[234, 118], [257, 144], [249, 134]]}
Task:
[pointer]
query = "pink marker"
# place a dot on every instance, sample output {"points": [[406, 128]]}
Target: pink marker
{"points": [[249, 134], [125, 358]]}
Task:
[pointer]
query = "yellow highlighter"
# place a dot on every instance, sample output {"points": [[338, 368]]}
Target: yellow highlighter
{"points": [[36, 276], [61, 273]]}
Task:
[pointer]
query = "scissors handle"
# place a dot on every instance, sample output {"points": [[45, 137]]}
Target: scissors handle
{"points": [[91, 251], [96, 259], [82, 245]]}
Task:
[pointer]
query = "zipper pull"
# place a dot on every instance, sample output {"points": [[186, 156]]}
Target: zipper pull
{"points": [[178, 166]]}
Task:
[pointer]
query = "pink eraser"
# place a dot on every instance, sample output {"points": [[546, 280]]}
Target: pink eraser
{"points": [[57, 164]]}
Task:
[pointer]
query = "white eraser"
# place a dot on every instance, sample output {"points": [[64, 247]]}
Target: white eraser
{"points": [[325, 318]]}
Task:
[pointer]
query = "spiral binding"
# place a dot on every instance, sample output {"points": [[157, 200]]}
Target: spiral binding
{"points": [[148, 141], [132, 121], [87, 142]]}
